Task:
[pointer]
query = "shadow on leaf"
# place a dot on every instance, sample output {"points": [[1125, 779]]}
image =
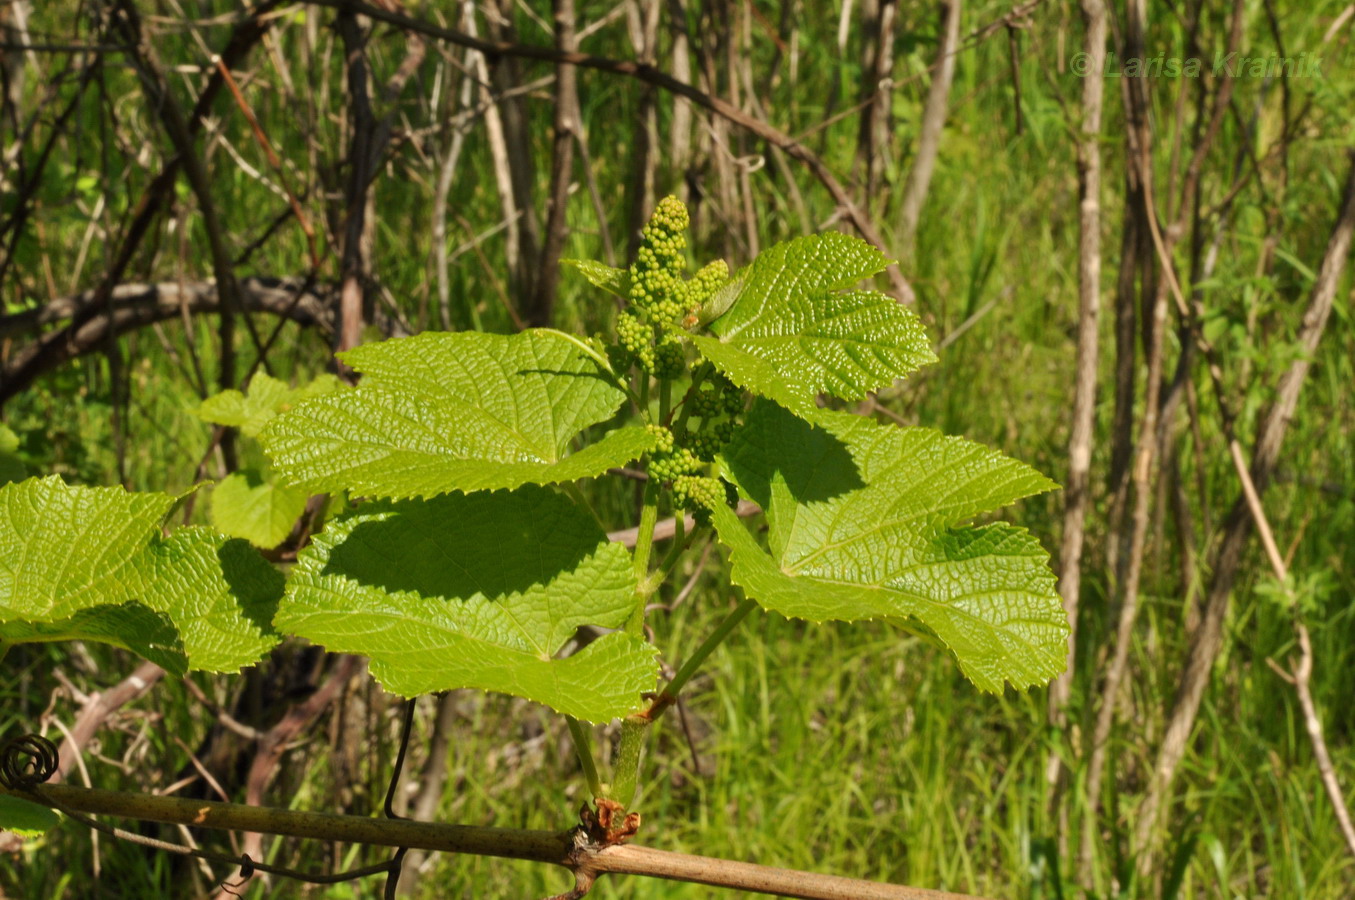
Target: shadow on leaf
{"points": [[820, 468], [455, 546]]}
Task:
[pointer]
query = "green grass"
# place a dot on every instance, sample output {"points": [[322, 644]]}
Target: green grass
{"points": [[853, 750]]}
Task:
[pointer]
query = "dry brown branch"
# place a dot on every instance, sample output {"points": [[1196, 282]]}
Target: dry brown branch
{"points": [[540, 311], [680, 128], [127, 22], [850, 210], [876, 99], [98, 707], [162, 300], [367, 143], [1088, 345], [505, 73], [933, 120], [1312, 723], [642, 19], [1208, 638], [136, 306], [56, 348], [273, 744], [273, 161]]}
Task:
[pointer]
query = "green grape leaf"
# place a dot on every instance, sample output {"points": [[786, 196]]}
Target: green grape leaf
{"points": [[612, 280], [245, 505], [219, 593], [27, 820], [131, 626], [80, 563], [794, 331], [264, 399], [456, 412], [865, 521], [476, 590]]}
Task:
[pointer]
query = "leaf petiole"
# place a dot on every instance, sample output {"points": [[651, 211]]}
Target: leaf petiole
{"points": [[701, 373], [681, 544], [713, 640], [644, 544], [630, 749], [602, 361], [583, 748]]}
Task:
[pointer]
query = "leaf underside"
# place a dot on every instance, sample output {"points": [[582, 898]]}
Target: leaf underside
{"points": [[795, 332], [865, 521], [464, 411], [613, 280], [480, 590], [80, 563]]}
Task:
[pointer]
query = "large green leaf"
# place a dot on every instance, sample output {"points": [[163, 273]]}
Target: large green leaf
{"points": [[865, 521], [264, 399], [80, 563], [246, 505], [794, 332], [476, 590], [131, 626], [455, 412], [219, 593]]}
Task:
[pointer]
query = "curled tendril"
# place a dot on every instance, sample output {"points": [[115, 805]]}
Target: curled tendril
{"points": [[27, 761]]}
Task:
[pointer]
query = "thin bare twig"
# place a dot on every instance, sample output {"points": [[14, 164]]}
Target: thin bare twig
{"points": [[1245, 512], [647, 73]]}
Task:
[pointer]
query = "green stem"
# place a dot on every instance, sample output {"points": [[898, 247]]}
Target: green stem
{"points": [[644, 543], [665, 399], [626, 771], [643, 400], [679, 546], [713, 640], [701, 374], [583, 747]]}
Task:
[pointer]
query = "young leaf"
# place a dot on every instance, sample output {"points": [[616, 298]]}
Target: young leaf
{"points": [[476, 590], [455, 412], [864, 521], [244, 505], [612, 280], [265, 398], [89, 563], [793, 331], [28, 820], [12, 468]]}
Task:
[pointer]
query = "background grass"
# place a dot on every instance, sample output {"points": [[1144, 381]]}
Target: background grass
{"points": [[854, 750]]}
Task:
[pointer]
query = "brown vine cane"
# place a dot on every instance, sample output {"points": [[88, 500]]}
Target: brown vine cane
{"points": [[29, 760]]}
